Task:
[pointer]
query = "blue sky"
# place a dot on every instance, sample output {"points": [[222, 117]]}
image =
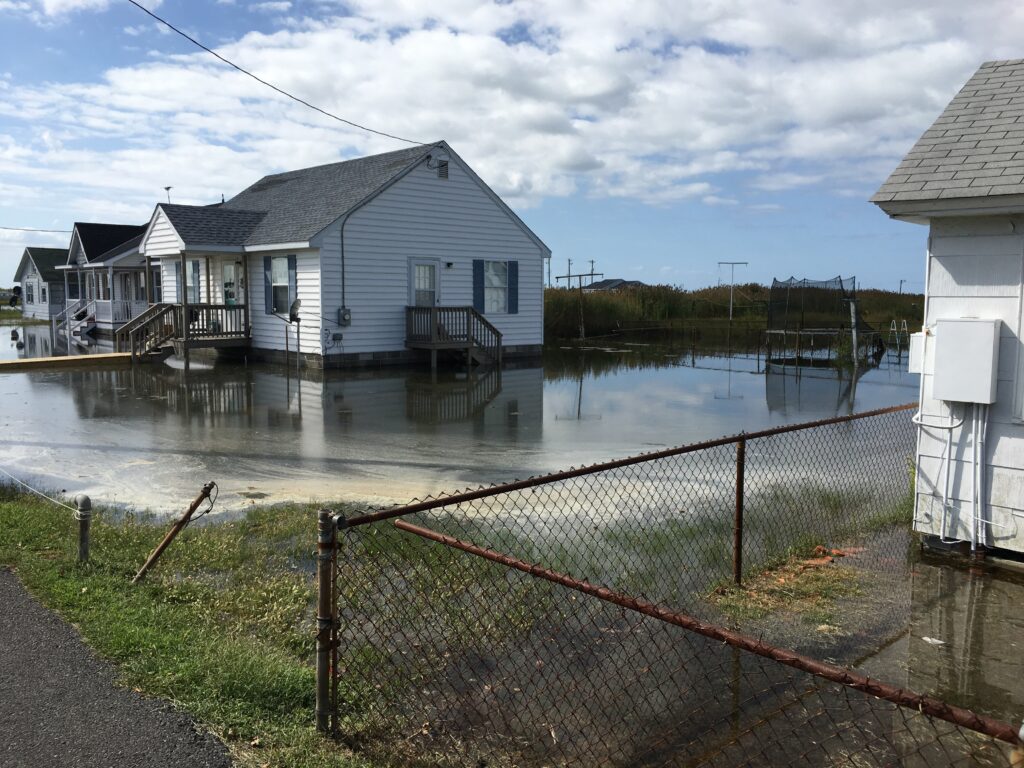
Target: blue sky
{"points": [[656, 138]]}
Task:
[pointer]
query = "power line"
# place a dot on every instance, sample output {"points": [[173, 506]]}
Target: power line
{"points": [[269, 85], [33, 229]]}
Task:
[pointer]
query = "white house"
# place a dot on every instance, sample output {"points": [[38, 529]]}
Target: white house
{"points": [[102, 280], [42, 288], [964, 179], [390, 255]]}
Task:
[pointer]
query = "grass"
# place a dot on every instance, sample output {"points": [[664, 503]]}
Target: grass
{"points": [[222, 626], [15, 317], [808, 593]]}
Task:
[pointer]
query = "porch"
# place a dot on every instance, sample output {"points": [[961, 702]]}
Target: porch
{"points": [[163, 328], [459, 329]]}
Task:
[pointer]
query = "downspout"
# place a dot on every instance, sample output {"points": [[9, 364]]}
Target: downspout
{"points": [[344, 276]]}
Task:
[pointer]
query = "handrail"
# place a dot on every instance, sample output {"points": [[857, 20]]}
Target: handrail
{"points": [[138, 321], [152, 330], [453, 326], [61, 318]]}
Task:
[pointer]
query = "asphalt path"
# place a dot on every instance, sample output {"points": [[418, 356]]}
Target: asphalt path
{"points": [[60, 704]]}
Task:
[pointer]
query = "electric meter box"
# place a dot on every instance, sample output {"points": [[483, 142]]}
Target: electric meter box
{"points": [[916, 353], [966, 358]]}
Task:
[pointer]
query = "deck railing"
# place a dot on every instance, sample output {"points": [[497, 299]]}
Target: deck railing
{"points": [[452, 328], [162, 323], [217, 320]]}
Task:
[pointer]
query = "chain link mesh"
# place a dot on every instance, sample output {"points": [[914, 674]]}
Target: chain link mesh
{"points": [[448, 658]]}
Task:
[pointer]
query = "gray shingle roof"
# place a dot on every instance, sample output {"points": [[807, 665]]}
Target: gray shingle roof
{"points": [[99, 239], [212, 224], [290, 207], [301, 203], [976, 146], [47, 260]]}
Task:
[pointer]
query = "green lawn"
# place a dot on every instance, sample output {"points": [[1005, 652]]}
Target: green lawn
{"points": [[223, 625]]}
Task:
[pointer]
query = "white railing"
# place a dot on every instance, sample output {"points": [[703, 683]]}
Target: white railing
{"points": [[60, 320]]}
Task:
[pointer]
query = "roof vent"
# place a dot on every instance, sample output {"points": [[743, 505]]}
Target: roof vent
{"points": [[442, 169]]}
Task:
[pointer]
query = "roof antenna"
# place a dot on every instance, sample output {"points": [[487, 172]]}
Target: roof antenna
{"points": [[222, 197], [168, 191]]}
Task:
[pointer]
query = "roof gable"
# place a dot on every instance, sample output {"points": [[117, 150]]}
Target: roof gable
{"points": [[97, 240], [974, 149], [211, 225], [45, 261]]}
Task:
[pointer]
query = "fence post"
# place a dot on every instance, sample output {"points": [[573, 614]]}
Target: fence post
{"points": [[83, 515], [737, 528], [325, 545]]}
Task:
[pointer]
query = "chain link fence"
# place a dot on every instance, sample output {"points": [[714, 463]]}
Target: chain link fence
{"points": [[667, 609]]}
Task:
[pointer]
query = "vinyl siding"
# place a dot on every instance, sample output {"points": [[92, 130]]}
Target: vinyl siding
{"points": [[268, 330], [975, 270], [424, 217], [161, 240]]}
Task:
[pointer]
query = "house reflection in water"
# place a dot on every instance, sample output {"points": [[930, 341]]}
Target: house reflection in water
{"points": [[505, 405]]}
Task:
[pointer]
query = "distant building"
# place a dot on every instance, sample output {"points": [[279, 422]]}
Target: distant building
{"points": [[614, 284], [42, 286], [964, 179]]}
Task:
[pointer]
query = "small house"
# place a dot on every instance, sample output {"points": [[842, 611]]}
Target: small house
{"points": [[102, 280], [964, 180], [613, 284], [42, 287], [369, 261]]}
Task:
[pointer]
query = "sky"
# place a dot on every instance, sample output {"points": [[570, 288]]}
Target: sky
{"points": [[655, 138]]}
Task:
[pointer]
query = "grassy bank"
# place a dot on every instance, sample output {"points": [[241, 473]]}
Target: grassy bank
{"points": [[15, 317], [222, 626], [663, 306]]}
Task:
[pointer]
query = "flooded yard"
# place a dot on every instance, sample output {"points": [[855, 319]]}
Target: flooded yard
{"points": [[149, 437]]}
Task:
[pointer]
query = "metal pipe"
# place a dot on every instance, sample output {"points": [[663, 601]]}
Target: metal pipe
{"points": [[179, 524], [325, 545], [737, 529], [901, 696], [533, 482], [83, 514]]}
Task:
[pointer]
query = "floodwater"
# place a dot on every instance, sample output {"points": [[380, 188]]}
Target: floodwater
{"points": [[150, 437]]}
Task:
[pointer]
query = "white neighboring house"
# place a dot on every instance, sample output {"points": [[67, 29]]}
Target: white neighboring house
{"points": [[390, 255], [964, 179], [42, 287]]}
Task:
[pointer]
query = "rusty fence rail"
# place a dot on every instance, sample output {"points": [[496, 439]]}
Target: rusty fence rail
{"points": [[592, 617]]}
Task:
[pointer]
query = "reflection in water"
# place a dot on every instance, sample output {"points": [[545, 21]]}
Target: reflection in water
{"points": [[150, 436]]}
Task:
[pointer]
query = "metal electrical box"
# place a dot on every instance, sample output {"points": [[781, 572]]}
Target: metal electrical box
{"points": [[966, 358], [344, 317], [916, 354]]}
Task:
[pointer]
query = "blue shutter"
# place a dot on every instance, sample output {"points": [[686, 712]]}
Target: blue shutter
{"points": [[513, 287], [268, 295], [293, 290], [177, 283], [478, 285]]}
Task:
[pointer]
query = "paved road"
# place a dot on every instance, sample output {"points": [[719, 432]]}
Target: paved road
{"points": [[59, 704]]}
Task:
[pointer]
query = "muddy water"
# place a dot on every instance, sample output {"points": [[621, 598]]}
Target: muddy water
{"points": [[149, 437]]}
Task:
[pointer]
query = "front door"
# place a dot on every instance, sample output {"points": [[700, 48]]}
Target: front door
{"points": [[424, 283]]}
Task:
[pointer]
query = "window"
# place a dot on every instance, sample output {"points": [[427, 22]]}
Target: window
{"points": [[279, 293], [30, 293], [42, 293], [73, 292], [157, 292], [192, 283], [495, 287]]}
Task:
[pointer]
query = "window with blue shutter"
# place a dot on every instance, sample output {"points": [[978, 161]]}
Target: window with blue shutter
{"points": [[496, 287], [513, 287]]}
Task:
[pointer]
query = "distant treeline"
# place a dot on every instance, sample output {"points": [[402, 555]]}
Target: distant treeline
{"points": [[666, 307]]}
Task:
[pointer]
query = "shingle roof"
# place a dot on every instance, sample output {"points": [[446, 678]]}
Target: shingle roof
{"points": [[98, 239], [613, 284], [47, 260], [117, 250], [212, 224], [298, 204], [976, 146]]}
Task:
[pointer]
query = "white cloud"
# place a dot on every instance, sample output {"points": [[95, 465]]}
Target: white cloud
{"points": [[280, 6], [660, 101]]}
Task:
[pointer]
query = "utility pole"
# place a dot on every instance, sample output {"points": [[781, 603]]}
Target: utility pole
{"points": [[732, 279], [901, 286], [569, 277]]}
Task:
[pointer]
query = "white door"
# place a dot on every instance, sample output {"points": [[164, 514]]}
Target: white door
{"points": [[424, 282]]}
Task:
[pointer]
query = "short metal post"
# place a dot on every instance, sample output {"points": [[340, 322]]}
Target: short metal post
{"points": [[737, 529], [83, 515], [327, 539]]}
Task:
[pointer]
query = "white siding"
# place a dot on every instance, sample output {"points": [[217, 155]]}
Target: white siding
{"points": [[422, 216], [161, 239], [975, 270], [268, 330]]}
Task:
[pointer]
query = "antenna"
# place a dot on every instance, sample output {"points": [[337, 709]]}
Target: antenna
{"points": [[732, 279], [168, 191]]}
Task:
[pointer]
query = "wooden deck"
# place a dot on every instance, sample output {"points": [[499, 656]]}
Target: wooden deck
{"points": [[104, 360], [453, 328]]}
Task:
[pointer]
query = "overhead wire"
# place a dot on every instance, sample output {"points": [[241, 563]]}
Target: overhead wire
{"points": [[273, 87], [34, 229]]}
